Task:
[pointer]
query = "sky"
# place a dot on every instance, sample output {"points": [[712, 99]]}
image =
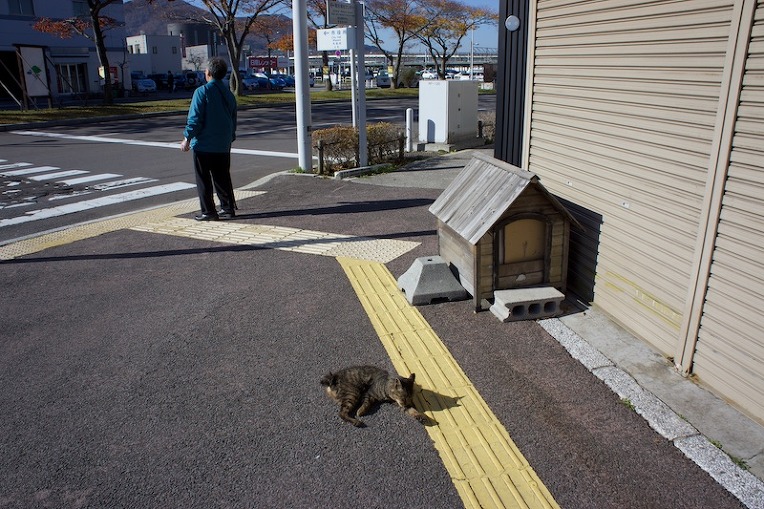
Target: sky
{"points": [[486, 38]]}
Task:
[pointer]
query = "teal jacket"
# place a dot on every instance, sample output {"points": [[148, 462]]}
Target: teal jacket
{"points": [[211, 124]]}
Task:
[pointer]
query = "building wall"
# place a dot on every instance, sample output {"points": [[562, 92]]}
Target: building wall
{"points": [[647, 119], [163, 53]]}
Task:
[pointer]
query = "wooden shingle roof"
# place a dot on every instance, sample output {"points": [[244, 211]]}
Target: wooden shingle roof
{"points": [[481, 193]]}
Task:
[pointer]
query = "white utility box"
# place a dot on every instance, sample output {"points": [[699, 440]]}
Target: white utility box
{"points": [[447, 110]]}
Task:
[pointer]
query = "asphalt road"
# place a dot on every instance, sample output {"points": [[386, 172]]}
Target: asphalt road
{"points": [[125, 165], [147, 370]]}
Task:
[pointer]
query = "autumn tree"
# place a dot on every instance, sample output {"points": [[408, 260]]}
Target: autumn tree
{"points": [[90, 26], [234, 19], [274, 29], [455, 20], [405, 18]]}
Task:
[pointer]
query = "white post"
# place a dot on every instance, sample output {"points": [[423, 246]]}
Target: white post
{"points": [[353, 88], [363, 152], [409, 129], [302, 85]]}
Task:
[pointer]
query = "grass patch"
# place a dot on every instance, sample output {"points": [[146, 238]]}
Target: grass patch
{"points": [[144, 107], [627, 403]]}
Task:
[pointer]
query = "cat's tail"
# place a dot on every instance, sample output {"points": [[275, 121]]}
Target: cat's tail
{"points": [[329, 380]]}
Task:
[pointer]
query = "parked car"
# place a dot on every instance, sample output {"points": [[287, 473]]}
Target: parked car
{"points": [[144, 85], [267, 82], [160, 80], [253, 83], [286, 78], [383, 80], [429, 74], [193, 79]]}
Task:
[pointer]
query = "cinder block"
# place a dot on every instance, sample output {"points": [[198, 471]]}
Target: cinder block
{"points": [[430, 279], [526, 303]]}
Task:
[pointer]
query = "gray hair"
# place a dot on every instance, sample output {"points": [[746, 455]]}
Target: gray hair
{"points": [[217, 68]]}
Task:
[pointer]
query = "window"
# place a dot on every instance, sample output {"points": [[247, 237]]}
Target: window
{"points": [[21, 7], [154, 50], [80, 8], [72, 78], [174, 50]]}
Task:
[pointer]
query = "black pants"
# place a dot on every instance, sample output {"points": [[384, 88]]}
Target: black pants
{"points": [[213, 171]]}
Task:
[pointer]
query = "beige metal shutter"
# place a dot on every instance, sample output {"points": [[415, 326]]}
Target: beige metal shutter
{"points": [[730, 348], [623, 111]]}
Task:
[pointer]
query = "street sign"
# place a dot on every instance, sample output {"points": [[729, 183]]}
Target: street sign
{"points": [[340, 13], [334, 39]]}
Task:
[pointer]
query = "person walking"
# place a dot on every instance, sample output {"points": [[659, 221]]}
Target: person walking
{"points": [[210, 131]]}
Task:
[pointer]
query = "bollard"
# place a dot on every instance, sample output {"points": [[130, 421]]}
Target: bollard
{"points": [[320, 148], [409, 129]]}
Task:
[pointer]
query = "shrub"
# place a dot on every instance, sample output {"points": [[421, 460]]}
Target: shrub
{"points": [[340, 145]]}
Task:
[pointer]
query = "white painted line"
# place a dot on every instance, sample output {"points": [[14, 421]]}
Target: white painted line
{"points": [[13, 165], [122, 183], [57, 175], [61, 210], [29, 171], [173, 145], [89, 178]]}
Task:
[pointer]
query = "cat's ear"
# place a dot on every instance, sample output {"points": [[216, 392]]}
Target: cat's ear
{"points": [[397, 383], [411, 378]]}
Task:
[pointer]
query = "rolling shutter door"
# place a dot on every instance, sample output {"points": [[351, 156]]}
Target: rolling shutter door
{"points": [[624, 105], [730, 353]]}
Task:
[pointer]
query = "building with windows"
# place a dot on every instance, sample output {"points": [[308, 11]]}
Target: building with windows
{"points": [[647, 118], [38, 65], [152, 54]]}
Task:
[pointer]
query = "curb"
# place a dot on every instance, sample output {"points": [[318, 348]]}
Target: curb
{"points": [[742, 484]]}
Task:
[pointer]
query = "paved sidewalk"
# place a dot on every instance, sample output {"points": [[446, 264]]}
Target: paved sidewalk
{"points": [[698, 422], [152, 361]]}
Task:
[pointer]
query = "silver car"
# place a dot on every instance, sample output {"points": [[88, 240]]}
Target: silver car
{"points": [[383, 80]]}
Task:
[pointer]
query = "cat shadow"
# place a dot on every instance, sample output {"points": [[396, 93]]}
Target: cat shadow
{"points": [[434, 402]]}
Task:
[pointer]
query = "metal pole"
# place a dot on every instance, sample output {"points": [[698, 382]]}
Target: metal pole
{"points": [[353, 88], [302, 85], [361, 84]]}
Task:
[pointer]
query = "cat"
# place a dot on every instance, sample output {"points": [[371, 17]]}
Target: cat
{"points": [[358, 388]]}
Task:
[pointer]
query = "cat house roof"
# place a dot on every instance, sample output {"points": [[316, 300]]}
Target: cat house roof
{"points": [[482, 193]]}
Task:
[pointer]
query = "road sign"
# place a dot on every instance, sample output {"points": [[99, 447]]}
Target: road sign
{"points": [[340, 13], [333, 39]]}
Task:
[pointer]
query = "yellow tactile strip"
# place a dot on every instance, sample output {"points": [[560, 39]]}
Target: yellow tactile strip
{"points": [[486, 466], [89, 230], [283, 238]]}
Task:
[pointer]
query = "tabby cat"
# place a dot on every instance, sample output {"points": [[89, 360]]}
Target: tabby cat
{"points": [[358, 388]]}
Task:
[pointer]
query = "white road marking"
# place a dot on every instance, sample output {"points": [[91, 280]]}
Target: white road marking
{"points": [[116, 184], [173, 145], [89, 178], [57, 175], [34, 215], [29, 171]]}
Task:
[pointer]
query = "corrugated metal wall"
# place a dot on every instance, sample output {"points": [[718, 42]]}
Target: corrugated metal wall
{"points": [[624, 108], [730, 347]]}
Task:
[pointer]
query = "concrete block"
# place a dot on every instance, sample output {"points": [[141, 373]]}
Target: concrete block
{"points": [[526, 303], [430, 279]]}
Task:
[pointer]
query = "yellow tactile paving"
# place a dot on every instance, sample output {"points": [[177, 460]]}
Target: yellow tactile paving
{"points": [[89, 230], [283, 238], [486, 466]]}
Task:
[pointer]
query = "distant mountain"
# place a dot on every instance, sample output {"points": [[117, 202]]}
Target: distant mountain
{"points": [[142, 17]]}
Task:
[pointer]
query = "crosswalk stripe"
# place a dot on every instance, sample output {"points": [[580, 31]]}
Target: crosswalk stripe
{"points": [[25, 171], [70, 208], [116, 184], [89, 178], [57, 175]]}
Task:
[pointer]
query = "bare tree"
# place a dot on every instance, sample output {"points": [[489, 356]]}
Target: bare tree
{"points": [[405, 18], [234, 19], [454, 20]]}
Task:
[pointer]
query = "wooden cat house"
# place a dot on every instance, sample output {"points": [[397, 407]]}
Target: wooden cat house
{"points": [[500, 229]]}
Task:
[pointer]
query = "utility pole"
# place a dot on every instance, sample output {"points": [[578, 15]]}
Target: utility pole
{"points": [[302, 85]]}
